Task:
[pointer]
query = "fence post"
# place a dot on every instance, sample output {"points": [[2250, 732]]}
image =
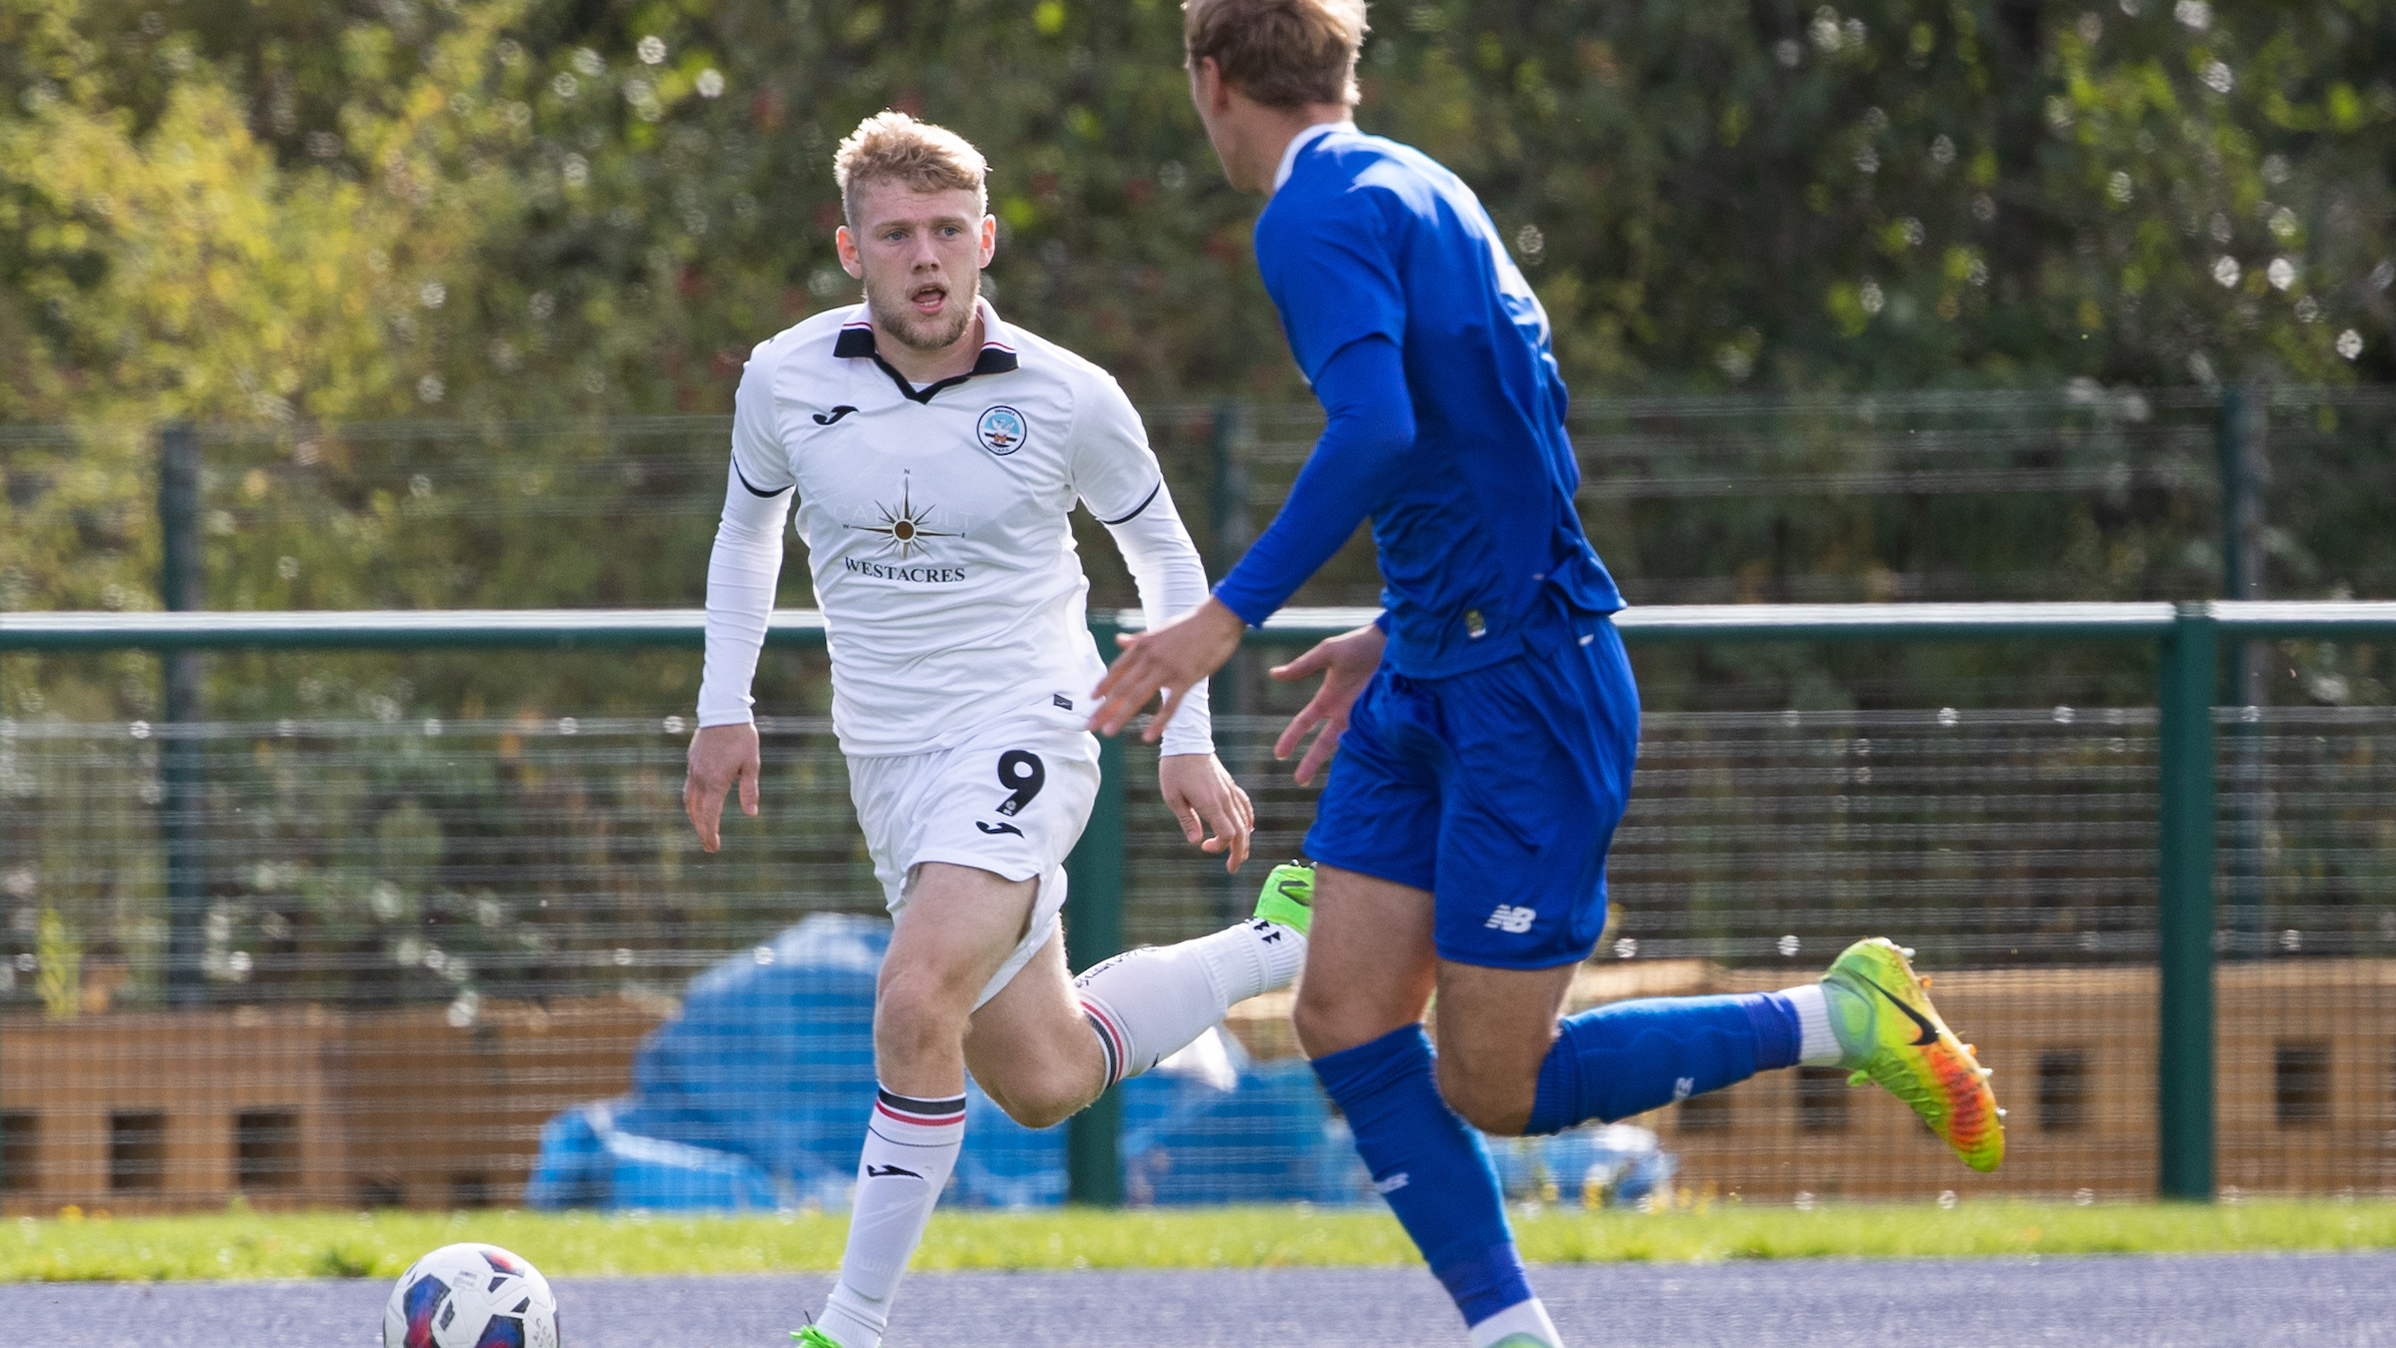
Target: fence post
{"points": [[180, 771], [1230, 687], [2184, 920], [2241, 438], [1094, 931]]}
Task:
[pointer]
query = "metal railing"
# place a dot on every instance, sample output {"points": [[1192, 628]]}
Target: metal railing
{"points": [[2187, 639]]}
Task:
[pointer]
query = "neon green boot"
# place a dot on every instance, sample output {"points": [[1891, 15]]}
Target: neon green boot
{"points": [[1288, 897], [1880, 1010], [811, 1337]]}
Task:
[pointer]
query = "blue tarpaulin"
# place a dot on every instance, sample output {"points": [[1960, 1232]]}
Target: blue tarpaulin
{"points": [[755, 1097]]}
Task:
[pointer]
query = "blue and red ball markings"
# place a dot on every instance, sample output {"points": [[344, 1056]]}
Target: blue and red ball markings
{"points": [[502, 1331], [423, 1302]]}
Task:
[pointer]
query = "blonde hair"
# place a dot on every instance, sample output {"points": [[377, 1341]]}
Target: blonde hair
{"points": [[927, 158], [1282, 53]]}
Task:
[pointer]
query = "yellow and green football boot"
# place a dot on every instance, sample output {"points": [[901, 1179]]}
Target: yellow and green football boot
{"points": [[1880, 1010], [811, 1337], [1288, 896]]}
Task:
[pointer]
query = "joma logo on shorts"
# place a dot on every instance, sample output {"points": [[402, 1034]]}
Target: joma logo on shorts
{"points": [[1510, 918]]}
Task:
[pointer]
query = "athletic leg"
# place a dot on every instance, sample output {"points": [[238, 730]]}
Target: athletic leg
{"points": [[1506, 1064], [1031, 1047], [957, 928], [1045, 1046], [1369, 972]]}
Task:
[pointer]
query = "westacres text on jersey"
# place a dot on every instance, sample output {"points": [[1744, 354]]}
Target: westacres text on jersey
{"points": [[920, 575]]}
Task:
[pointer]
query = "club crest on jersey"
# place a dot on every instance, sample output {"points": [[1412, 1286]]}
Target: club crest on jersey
{"points": [[1002, 430]]}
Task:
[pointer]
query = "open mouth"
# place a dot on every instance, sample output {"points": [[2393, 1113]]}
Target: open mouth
{"points": [[928, 300]]}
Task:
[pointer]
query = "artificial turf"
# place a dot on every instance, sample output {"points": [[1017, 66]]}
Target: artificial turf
{"points": [[241, 1244]]}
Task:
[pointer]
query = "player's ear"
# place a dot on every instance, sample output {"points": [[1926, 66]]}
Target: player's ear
{"points": [[846, 244], [1206, 78], [989, 238]]}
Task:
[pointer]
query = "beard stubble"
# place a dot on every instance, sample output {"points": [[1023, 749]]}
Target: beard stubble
{"points": [[893, 315]]}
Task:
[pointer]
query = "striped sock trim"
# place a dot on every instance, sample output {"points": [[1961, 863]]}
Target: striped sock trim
{"points": [[1110, 1040], [927, 1113]]}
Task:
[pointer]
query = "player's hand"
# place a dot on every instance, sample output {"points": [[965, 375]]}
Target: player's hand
{"points": [[1346, 662], [1177, 656], [720, 756], [1203, 797]]}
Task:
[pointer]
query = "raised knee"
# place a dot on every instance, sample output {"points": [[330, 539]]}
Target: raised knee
{"points": [[1042, 1102], [1501, 1108]]}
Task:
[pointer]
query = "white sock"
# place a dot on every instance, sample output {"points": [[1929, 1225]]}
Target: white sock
{"points": [[1816, 1045], [1146, 1004], [1526, 1317], [910, 1147]]}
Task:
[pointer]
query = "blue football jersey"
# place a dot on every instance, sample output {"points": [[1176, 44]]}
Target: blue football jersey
{"points": [[1480, 547]]}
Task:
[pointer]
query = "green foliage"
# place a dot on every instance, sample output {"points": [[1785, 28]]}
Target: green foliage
{"points": [[520, 217], [500, 207]]}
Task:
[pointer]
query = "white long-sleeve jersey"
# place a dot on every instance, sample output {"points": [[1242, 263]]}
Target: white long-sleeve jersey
{"points": [[936, 527]]}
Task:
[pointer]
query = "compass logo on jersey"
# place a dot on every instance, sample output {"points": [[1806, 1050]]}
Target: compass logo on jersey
{"points": [[1002, 430], [904, 527]]}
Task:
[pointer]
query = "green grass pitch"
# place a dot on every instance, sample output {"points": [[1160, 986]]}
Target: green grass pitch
{"points": [[240, 1244]]}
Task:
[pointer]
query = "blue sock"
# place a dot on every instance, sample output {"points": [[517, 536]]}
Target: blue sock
{"points": [[1430, 1167], [1615, 1061]]}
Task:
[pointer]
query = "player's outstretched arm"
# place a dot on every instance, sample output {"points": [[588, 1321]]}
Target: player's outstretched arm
{"points": [[720, 756], [1363, 449], [1346, 662], [1181, 655], [1201, 794]]}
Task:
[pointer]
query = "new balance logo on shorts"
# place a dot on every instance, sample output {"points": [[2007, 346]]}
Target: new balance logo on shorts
{"points": [[1511, 919]]}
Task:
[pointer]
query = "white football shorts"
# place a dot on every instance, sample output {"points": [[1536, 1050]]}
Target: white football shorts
{"points": [[1011, 799]]}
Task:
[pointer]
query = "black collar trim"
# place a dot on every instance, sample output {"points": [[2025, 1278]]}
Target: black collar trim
{"points": [[856, 341]]}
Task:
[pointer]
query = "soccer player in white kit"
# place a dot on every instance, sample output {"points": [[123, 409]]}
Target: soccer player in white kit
{"points": [[934, 454]]}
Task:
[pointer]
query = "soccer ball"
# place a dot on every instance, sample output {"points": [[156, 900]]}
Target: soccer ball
{"points": [[471, 1296]]}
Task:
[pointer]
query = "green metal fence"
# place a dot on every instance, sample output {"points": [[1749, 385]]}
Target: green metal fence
{"points": [[2181, 798]]}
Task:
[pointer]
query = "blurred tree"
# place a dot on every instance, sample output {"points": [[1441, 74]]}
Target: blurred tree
{"points": [[511, 216], [244, 210]]}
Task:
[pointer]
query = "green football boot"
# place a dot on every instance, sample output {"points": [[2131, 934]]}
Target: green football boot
{"points": [[1890, 1033], [1288, 897], [811, 1337], [1522, 1341]]}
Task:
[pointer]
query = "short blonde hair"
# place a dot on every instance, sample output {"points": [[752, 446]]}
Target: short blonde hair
{"points": [[925, 157], [1282, 53]]}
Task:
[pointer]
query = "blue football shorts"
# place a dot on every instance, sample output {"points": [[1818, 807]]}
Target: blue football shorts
{"points": [[1497, 790]]}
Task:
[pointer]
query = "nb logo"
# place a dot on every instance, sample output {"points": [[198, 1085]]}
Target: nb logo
{"points": [[887, 1171], [998, 828], [827, 418], [1390, 1185], [1511, 919], [1683, 1088]]}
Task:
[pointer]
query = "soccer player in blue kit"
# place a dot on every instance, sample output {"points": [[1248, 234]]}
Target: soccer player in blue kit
{"points": [[1487, 722]]}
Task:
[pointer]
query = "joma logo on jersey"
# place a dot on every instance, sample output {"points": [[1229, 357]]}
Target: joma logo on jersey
{"points": [[1511, 919], [1002, 430]]}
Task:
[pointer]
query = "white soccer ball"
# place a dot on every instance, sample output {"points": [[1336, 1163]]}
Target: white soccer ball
{"points": [[471, 1296]]}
